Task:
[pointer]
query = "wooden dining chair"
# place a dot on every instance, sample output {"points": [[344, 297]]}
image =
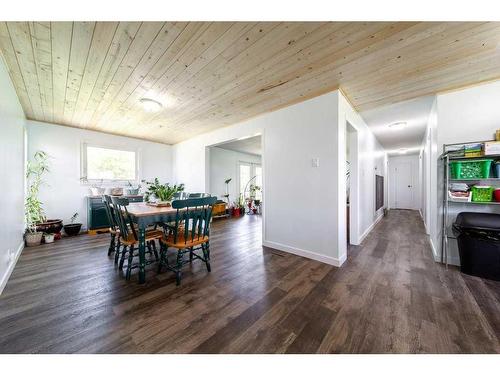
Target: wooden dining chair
{"points": [[129, 238], [190, 232], [114, 231]]}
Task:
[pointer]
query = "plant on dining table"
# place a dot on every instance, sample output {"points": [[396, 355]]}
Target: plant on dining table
{"points": [[162, 192]]}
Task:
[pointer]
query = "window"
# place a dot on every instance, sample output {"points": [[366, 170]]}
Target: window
{"points": [[109, 164], [247, 172]]}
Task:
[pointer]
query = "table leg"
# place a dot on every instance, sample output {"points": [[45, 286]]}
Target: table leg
{"points": [[142, 256]]}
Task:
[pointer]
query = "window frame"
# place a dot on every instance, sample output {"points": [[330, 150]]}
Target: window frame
{"points": [[252, 173], [83, 163]]}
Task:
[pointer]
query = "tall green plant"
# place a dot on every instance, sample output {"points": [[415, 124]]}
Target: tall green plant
{"points": [[163, 192], [33, 207]]}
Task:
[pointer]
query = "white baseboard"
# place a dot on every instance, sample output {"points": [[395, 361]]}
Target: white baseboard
{"points": [[12, 264], [370, 228], [306, 253], [453, 260]]}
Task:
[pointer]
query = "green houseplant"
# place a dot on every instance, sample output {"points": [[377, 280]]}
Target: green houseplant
{"points": [[34, 213], [163, 193]]}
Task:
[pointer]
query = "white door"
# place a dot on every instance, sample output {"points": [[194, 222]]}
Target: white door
{"points": [[402, 185]]}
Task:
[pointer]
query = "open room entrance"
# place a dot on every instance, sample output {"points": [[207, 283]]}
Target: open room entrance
{"points": [[351, 184], [235, 177]]}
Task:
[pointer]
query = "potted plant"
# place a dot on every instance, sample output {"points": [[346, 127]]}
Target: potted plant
{"points": [[48, 237], [239, 207], [235, 210], [74, 228], [162, 193], [96, 188], [33, 207], [131, 190]]}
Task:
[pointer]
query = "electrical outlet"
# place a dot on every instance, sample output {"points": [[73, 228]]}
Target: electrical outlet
{"points": [[315, 162]]}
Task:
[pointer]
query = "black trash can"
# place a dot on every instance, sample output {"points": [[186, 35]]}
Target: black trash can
{"points": [[478, 237]]}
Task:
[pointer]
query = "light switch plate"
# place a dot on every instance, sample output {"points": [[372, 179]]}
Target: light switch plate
{"points": [[315, 162]]}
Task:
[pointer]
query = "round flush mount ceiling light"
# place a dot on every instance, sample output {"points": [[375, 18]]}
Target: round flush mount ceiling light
{"points": [[397, 125], [150, 105]]}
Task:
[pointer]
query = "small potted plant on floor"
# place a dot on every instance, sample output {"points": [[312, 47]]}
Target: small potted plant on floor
{"points": [[74, 228], [48, 237], [33, 207]]}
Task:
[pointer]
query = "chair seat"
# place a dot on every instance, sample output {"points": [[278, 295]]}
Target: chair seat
{"points": [[181, 243], [151, 235]]}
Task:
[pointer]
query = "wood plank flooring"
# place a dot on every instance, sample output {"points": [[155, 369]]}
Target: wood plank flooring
{"points": [[389, 297]]}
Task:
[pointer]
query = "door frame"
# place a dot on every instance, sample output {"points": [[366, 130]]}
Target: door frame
{"points": [[413, 160]]}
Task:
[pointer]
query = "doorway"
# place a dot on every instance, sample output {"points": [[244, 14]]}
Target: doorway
{"points": [[403, 181], [235, 175], [351, 184]]}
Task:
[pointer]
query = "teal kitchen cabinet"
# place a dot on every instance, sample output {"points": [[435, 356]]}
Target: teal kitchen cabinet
{"points": [[97, 218]]}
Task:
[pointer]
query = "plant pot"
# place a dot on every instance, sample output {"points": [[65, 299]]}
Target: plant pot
{"points": [[131, 191], [72, 229], [242, 211], [49, 237], [50, 226], [33, 239], [115, 191], [254, 210], [236, 212], [96, 191]]}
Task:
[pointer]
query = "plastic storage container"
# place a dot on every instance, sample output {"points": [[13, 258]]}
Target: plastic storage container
{"points": [[470, 169], [497, 169], [496, 195], [482, 193], [478, 237]]}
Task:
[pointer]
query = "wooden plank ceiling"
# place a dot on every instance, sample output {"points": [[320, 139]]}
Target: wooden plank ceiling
{"points": [[211, 74]]}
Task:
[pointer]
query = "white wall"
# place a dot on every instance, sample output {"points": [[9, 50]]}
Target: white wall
{"points": [[64, 194], [11, 176], [223, 165], [369, 158], [314, 225], [414, 160]]}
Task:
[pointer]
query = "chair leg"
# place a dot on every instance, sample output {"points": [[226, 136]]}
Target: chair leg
{"points": [[129, 265], [191, 255], [122, 259], [163, 256], [118, 245], [112, 244], [204, 248], [117, 251], [153, 244], [178, 273]]}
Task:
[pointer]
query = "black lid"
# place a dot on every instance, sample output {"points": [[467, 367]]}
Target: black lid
{"points": [[478, 220]]}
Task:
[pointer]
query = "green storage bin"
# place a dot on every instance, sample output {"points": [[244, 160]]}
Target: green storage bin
{"points": [[470, 169], [482, 193]]}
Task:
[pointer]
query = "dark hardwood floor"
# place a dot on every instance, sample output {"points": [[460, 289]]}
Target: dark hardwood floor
{"points": [[389, 297]]}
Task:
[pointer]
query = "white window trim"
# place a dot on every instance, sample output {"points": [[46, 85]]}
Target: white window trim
{"points": [[83, 163]]}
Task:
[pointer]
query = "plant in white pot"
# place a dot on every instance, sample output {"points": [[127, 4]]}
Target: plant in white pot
{"points": [[163, 193], [33, 207]]}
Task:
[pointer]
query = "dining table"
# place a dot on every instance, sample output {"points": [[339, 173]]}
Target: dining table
{"points": [[144, 214]]}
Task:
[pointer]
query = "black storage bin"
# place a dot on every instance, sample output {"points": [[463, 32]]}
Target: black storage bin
{"points": [[478, 236]]}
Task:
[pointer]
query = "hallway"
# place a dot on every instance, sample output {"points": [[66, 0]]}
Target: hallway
{"points": [[389, 297]]}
